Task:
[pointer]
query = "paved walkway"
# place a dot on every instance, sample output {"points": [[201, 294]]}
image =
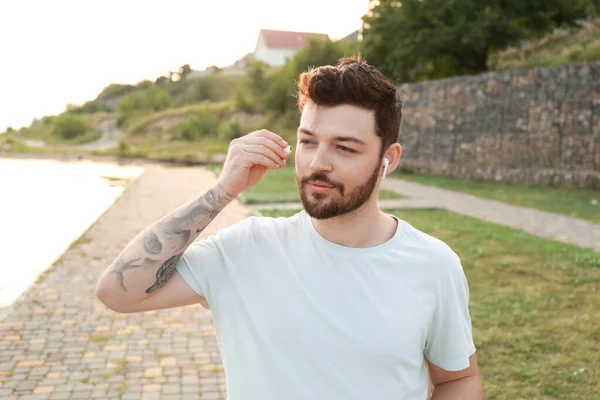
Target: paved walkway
{"points": [[540, 223], [59, 342]]}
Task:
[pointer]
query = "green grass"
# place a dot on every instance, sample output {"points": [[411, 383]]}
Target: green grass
{"points": [[168, 150], [534, 306], [573, 202], [280, 187]]}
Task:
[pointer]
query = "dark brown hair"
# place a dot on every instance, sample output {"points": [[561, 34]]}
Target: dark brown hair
{"points": [[353, 81]]}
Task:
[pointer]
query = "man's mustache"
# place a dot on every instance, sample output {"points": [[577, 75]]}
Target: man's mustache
{"points": [[322, 178]]}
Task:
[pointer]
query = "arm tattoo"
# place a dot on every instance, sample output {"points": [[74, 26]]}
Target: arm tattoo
{"points": [[152, 244], [164, 273], [170, 237], [122, 266]]}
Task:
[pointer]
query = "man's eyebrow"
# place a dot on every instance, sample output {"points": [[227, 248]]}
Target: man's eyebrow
{"points": [[338, 138]]}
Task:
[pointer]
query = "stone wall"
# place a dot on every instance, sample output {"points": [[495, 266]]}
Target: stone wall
{"points": [[537, 126]]}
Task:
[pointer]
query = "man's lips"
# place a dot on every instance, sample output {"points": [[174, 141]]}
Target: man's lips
{"points": [[320, 184], [320, 187]]}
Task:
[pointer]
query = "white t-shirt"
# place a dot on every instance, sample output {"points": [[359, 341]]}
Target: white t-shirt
{"points": [[300, 317]]}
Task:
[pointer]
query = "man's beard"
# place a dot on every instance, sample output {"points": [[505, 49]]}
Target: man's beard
{"points": [[336, 202]]}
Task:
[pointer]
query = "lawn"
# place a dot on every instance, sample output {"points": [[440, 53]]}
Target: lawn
{"points": [[534, 306], [280, 186], [574, 202]]}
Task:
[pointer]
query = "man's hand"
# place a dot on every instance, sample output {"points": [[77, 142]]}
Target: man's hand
{"points": [[249, 158]]}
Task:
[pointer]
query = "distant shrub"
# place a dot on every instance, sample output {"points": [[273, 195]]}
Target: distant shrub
{"points": [[199, 89], [251, 91], [199, 125], [229, 130], [242, 102], [68, 126]]}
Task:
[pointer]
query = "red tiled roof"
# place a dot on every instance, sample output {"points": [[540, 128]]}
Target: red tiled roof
{"points": [[289, 40]]}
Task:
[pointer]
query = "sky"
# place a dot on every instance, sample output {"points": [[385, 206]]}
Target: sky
{"points": [[59, 52]]}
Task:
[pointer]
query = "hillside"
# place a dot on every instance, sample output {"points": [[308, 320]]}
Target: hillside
{"points": [[559, 47], [177, 117], [149, 119]]}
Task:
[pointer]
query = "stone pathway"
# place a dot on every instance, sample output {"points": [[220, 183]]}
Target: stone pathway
{"points": [[540, 223], [59, 342]]}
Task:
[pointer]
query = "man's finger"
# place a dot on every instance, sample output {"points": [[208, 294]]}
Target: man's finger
{"points": [[265, 151]]}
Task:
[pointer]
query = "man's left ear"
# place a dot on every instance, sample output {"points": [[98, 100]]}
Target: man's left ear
{"points": [[392, 154]]}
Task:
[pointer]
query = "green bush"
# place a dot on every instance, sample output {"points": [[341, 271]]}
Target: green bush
{"points": [[200, 125], [200, 89], [242, 102], [229, 130], [68, 126]]}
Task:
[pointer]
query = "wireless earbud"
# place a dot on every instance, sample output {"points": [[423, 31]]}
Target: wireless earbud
{"points": [[386, 162]]}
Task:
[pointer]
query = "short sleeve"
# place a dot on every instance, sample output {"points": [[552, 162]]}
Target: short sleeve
{"points": [[449, 341], [206, 263], [202, 262]]}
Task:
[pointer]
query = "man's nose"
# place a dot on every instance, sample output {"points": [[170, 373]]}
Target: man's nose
{"points": [[321, 161]]}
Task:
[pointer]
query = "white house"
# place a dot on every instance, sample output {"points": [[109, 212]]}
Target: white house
{"points": [[274, 47]]}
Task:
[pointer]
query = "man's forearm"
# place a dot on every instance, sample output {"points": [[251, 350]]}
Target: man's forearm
{"points": [[150, 259], [468, 388]]}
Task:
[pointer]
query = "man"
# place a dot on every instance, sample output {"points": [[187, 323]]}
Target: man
{"points": [[339, 301]]}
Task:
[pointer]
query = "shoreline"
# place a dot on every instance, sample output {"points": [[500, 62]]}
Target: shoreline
{"points": [[120, 160], [78, 236], [90, 349]]}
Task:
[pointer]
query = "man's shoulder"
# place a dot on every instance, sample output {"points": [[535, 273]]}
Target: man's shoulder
{"points": [[437, 252], [260, 225]]}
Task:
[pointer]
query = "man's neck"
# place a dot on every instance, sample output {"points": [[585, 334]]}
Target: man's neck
{"points": [[366, 227]]}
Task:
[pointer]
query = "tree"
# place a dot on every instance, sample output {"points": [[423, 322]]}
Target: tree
{"points": [[280, 95], [413, 40], [250, 94]]}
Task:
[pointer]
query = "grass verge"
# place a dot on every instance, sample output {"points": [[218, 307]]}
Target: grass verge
{"points": [[533, 306]]}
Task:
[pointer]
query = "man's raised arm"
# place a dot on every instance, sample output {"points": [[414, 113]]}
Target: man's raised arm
{"points": [[150, 260]]}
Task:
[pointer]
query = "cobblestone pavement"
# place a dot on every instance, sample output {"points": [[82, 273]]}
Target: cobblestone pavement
{"points": [[59, 342], [540, 223]]}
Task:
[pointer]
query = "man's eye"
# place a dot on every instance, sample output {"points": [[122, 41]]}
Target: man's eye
{"points": [[347, 149], [305, 141]]}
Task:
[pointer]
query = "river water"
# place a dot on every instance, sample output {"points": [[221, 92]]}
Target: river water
{"points": [[44, 206]]}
